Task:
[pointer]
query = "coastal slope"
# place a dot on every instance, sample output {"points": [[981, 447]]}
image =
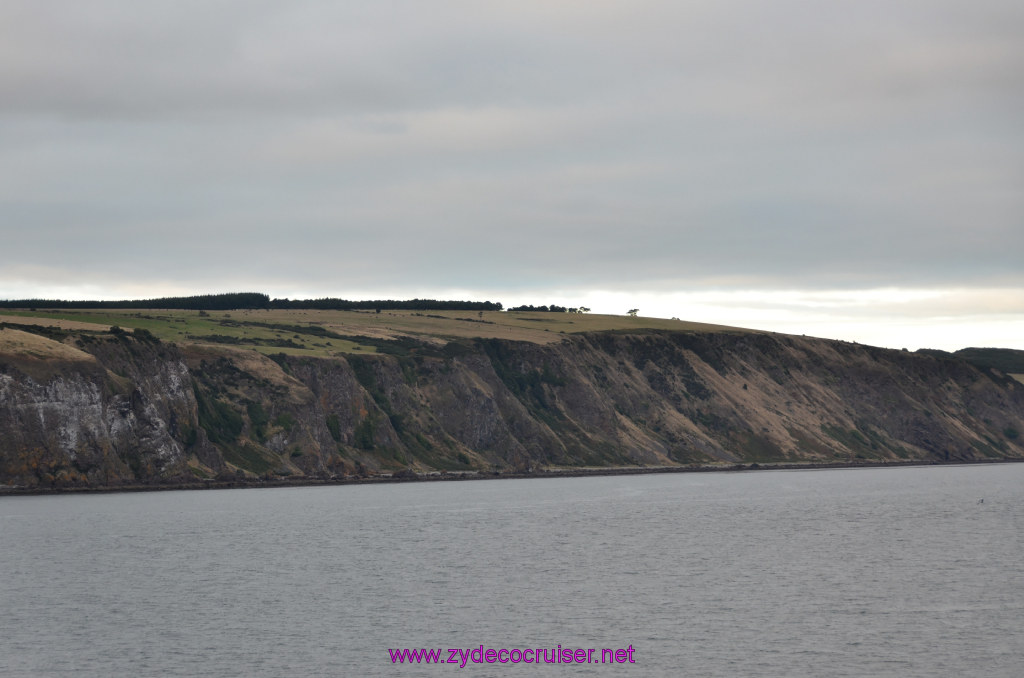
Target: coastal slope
{"points": [[118, 408]]}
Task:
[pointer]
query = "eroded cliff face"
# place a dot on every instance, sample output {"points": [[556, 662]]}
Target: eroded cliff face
{"points": [[113, 410], [106, 414]]}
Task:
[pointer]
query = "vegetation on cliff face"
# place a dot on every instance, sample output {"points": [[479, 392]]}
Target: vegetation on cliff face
{"points": [[81, 407], [1008, 360]]}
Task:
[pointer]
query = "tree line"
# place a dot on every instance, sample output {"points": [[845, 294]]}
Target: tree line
{"points": [[255, 300], [331, 304], [550, 308], [202, 302]]}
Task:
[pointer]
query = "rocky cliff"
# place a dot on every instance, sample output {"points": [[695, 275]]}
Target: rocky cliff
{"points": [[122, 409]]}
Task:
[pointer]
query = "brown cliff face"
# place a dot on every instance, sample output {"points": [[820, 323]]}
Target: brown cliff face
{"points": [[119, 409]]}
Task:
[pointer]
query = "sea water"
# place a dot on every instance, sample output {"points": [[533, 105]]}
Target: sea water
{"points": [[875, 572]]}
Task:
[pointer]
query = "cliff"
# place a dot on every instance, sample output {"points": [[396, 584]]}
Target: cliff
{"points": [[110, 409]]}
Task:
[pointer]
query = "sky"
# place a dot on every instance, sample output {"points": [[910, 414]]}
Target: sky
{"points": [[852, 170]]}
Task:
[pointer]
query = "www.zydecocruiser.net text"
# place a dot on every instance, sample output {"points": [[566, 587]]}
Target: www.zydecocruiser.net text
{"points": [[479, 655]]}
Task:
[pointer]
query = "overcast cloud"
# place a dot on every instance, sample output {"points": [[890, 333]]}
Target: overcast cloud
{"points": [[726, 160]]}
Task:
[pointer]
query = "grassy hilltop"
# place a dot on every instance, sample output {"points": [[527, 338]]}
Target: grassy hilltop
{"points": [[325, 333]]}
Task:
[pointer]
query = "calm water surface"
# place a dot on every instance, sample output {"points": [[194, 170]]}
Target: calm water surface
{"points": [[879, 572]]}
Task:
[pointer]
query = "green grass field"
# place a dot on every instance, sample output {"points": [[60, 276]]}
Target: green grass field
{"points": [[323, 333]]}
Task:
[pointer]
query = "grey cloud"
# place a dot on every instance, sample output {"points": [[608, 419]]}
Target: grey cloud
{"points": [[464, 144], [116, 58]]}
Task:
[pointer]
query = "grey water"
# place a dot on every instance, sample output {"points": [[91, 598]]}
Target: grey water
{"points": [[875, 572]]}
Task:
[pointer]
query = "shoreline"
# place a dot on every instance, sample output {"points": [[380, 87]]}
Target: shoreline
{"points": [[440, 476]]}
